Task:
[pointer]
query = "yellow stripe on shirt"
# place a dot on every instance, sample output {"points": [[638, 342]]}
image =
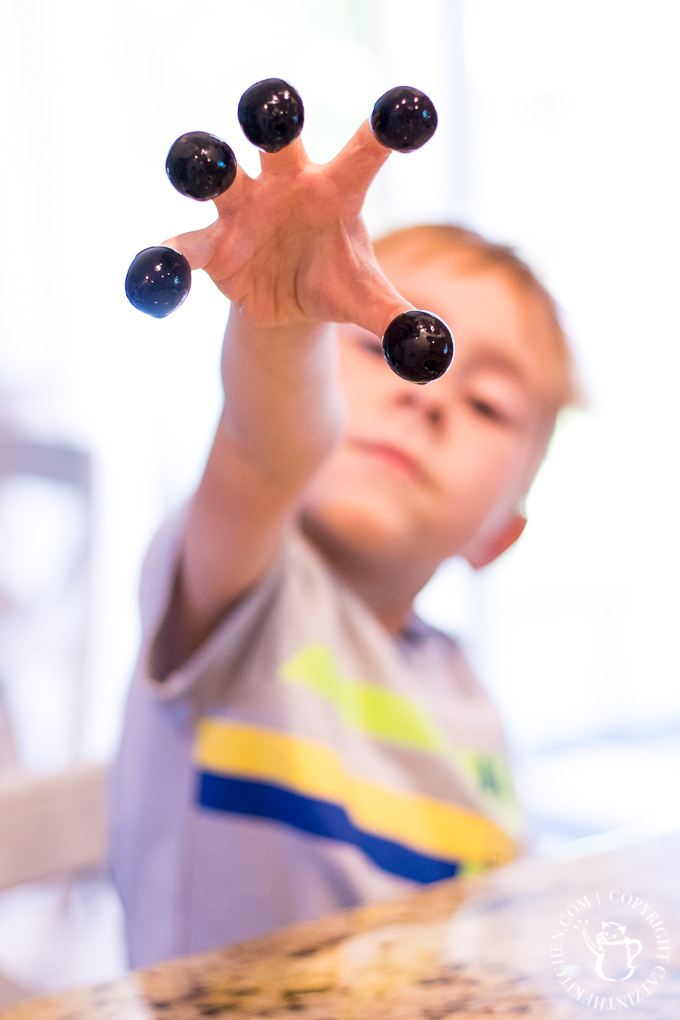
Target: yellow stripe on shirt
{"points": [[310, 768]]}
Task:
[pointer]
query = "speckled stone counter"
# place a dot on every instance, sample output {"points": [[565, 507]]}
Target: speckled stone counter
{"points": [[594, 929]]}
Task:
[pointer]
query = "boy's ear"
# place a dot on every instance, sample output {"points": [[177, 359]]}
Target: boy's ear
{"points": [[486, 551]]}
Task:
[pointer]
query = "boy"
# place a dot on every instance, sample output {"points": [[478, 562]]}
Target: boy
{"points": [[296, 740]]}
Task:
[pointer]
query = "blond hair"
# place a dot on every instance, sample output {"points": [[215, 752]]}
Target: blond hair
{"points": [[473, 253]]}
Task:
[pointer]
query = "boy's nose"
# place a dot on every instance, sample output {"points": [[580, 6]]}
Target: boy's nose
{"points": [[428, 400]]}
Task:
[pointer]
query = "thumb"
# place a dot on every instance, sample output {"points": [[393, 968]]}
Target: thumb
{"points": [[197, 246]]}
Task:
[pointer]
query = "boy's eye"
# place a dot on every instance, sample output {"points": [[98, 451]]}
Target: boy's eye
{"points": [[487, 410], [372, 345]]}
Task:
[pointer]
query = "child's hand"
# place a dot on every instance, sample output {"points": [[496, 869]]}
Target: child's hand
{"points": [[290, 246]]}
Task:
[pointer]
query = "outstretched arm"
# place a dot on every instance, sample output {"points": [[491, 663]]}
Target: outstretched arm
{"points": [[291, 252]]}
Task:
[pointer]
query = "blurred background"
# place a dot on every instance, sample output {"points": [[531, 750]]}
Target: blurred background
{"points": [[558, 134]]}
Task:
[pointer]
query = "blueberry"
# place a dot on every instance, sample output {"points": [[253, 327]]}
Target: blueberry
{"points": [[200, 165], [271, 114], [403, 119], [418, 346], [158, 281]]}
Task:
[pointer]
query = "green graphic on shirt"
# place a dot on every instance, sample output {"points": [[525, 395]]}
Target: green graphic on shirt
{"points": [[489, 773], [387, 715], [365, 707]]}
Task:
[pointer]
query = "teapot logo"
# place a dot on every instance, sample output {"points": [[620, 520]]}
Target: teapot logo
{"points": [[609, 950], [614, 951]]}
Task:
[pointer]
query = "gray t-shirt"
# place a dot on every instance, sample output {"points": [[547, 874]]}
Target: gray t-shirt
{"points": [[302, 760]]}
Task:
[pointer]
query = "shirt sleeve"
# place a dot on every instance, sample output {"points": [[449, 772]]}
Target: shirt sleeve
{"points": [[211, 668]]}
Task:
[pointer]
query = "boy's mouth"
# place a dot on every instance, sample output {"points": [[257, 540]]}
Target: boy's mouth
{"points": [[390, 455]]}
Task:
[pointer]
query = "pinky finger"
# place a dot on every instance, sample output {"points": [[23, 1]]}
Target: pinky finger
{"points": [[418, 346]]}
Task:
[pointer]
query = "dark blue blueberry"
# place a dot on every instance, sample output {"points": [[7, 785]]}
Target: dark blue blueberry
{"points": [[418, 346], [158, 281], [271, 114], [404, 119], [200, 165]]}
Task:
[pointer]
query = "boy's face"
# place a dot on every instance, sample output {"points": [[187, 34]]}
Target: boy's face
{"points": [[427, 472]]}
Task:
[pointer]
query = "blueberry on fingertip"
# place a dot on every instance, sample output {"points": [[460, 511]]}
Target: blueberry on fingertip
{"points": [[271, 114], [418, 346], [403, 119], [158, 281], [200, 165]]}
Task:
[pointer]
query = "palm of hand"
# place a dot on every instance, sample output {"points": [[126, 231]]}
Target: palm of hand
{"points": [[290, 245]]}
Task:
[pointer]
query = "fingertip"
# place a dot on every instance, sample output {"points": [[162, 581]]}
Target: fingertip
{"points": [[271, 114], [367, 137], [418, 346], [404, 119], [200, 165]]}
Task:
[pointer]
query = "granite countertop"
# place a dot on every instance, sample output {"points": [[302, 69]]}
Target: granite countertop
{"points": [[594, 927]]}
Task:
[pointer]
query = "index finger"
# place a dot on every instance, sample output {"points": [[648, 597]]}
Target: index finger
{"points": [[357, 164]]}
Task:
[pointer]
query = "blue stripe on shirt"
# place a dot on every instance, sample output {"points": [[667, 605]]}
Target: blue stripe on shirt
{"points": [[321, 818]]}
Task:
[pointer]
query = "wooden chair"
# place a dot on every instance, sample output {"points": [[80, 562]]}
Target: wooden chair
{"points": [[52, 826]]}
